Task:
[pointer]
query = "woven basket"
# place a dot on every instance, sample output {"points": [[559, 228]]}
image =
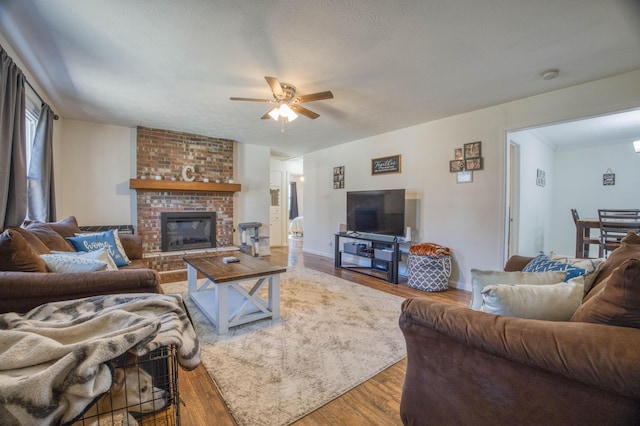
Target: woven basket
{"points": [[429, 273]]}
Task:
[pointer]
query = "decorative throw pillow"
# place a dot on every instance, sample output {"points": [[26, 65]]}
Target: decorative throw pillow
{"points": [[116, 237], [71, 263], [592, 266], [542, 263], [554, 302], [16, 254], [618, 300], [481, 279], [100, 254], [33, 240], [629, 249], [89, 242], [50, 238], [66, 227]]}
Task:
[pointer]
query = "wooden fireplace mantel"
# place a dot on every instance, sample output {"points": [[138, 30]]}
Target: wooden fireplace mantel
{"points": [[181, 186]]}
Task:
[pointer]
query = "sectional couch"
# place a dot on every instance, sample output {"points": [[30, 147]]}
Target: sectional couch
{"points": [[467, 367], [27, 282]]}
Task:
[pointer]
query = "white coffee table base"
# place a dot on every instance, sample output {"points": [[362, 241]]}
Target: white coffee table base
{"points": [[228, 304]]}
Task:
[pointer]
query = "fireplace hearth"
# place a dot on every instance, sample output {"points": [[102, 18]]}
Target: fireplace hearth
{"points": [[187, 230]]}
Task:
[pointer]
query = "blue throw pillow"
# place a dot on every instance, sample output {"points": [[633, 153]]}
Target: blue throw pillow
{"points": [[96, 241], [543, 263]]}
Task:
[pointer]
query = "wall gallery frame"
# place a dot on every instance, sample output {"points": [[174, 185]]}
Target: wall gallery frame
{"points": [[338, 177], [467, 159]]}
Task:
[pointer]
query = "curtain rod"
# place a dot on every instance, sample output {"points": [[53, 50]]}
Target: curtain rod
{"points": [[55, 116]]}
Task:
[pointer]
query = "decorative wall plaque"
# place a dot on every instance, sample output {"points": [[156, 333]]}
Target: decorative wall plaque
{"points": [[384, 165], [609, 178]]}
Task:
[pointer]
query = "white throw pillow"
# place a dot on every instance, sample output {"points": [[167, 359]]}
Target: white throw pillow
{"points": [[555, 302], [100, 254], [481, 279], [71, 263]]}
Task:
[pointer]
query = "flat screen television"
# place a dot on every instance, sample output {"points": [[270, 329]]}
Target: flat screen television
{"points": [[376, 211]]}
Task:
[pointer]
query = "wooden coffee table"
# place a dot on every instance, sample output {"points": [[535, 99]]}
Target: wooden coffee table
{"points": [[221, 297]]}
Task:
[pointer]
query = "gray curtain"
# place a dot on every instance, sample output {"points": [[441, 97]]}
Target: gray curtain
{"points": [[13, 157], [293, 211], [42, 198]]}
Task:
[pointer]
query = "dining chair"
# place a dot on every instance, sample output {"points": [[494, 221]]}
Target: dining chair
{"points": [[615, 224], [583, 237]]}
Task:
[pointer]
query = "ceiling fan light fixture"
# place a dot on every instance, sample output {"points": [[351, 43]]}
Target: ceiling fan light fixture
{"points": [[286, 111], [274, 113]]}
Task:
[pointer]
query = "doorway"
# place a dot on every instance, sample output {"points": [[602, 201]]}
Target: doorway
{"points": [[555, 167], [295, 206]]}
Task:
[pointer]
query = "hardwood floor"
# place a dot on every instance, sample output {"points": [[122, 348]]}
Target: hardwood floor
{"points": [[375, 402]]}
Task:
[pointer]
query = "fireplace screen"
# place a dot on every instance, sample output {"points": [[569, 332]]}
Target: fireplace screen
{"points": [[188, 230]]}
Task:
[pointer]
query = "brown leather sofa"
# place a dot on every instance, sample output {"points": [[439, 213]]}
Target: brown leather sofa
{"points": [[466, 367], [26, 283]]}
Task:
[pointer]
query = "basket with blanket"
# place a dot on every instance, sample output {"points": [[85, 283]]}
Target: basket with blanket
{"points": [[429, 267]]}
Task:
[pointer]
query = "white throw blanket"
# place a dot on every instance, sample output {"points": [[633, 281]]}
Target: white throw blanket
{"points": [[54, 359]]}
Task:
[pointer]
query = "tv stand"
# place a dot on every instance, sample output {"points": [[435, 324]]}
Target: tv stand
{"points": [[382, 251]]}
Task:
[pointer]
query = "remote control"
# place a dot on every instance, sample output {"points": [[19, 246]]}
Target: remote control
{"points": [[230, 259]]}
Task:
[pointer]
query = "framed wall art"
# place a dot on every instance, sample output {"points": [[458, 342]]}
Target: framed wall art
{"points": [[473, 164], [456, 166], [472, 150], [382, 165], [464, 177], [540, 178], [338, 177], [608, 178]]}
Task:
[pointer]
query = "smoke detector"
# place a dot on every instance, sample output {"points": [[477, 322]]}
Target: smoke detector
{"points": [[549, 74]]}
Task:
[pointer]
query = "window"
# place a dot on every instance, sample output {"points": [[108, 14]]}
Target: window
{"points": [[32, 113]]}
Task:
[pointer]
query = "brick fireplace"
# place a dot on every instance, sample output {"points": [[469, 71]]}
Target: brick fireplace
{"points": [[164, 153]]}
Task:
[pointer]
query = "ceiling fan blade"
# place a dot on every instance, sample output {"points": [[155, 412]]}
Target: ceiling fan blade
{"points": [[276, 88], [315, 97], [250, 99], [306, 112]]}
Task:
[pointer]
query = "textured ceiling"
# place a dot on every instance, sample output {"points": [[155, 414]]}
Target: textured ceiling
{"points": [[389, 63]]}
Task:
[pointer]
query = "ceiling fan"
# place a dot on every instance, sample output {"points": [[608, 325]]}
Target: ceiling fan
{"points": [[287, 103]]}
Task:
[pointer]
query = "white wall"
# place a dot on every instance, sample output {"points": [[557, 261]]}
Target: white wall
{"points": [[253, 201], [93, 172], [536, 202], [579, 175], [469, 218]]}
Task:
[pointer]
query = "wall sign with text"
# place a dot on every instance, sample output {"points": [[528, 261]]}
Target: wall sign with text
{"points": [[384, 165]]}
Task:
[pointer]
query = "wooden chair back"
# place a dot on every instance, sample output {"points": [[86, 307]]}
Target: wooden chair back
{"points": [[574, 213], [615, 224]]}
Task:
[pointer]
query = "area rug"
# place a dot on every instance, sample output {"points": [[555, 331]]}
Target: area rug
{"points": [[332, 336]]}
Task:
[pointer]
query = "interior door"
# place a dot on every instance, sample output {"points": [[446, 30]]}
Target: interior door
{"points": [[513, 209]]}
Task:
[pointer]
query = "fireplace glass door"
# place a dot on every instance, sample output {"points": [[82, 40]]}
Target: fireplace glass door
{"points": [[188, 230]]}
